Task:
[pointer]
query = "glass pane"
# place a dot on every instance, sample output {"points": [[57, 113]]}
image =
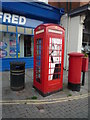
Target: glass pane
{"points": [[38, 60], [20, 29], [28, 45], [25, 45], [33, 31], [3, 46], [28, 30], [7, 45], [11, 29], [55, 52], [19, 45], [12, 45], [3, 27]]}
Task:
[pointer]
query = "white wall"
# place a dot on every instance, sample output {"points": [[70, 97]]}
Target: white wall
{"points": [[64, 24], [73, 35]]}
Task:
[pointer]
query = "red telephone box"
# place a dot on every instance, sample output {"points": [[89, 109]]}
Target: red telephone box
{"points": [[48, 58]]}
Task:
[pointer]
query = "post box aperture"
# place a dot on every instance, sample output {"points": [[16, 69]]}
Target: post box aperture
{"points": [[48, 58]]}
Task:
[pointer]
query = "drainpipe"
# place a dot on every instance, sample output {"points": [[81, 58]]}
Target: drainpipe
{"points": [[68, 44], [68, 33], [70, 7], [67, 6], [16, 43]]}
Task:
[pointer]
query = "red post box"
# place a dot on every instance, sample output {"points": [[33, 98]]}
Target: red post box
{"points": [[74, 73], [85, 64], [84, 68], [48, 58]]}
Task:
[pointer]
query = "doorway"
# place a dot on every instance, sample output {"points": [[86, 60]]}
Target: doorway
{"points": [[27, 46]]}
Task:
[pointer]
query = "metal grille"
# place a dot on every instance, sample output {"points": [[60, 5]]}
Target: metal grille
{"points": [[38, 60], [55, 52]]}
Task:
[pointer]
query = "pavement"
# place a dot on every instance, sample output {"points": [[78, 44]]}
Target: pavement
{"points": [[63, 104]]}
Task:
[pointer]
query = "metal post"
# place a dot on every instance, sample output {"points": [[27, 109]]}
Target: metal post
{"points": [[16, 43], [83, 78]]}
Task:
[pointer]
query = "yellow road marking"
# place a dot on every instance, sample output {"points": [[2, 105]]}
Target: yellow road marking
{"points": [[48, 101], [53, 99]]}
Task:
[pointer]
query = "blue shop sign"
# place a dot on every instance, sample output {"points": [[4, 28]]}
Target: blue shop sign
{"points": [[12, 19]]}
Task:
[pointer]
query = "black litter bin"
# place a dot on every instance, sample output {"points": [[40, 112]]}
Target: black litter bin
{"points": [[17, 75]]}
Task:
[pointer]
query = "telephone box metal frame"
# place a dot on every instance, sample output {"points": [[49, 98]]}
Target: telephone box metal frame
{"points": [[47, 82]]}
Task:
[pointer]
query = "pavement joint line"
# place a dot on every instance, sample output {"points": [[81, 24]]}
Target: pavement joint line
{"points": [[44, 102], [46, 99]]}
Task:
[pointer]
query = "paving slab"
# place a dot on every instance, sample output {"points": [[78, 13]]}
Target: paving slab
{"points": [[66, 109]]}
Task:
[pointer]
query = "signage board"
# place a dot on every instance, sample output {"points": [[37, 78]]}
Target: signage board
{"points": [[13, 19]]}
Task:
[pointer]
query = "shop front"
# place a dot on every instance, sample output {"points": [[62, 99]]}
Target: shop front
{"points": [[17, 23]]}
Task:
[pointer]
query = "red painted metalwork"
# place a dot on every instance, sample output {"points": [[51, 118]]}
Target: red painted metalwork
{"points": [[48, 58], [85, 61], [75, 67]]}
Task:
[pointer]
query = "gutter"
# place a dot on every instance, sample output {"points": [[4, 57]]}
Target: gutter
{"points": [[79, 10], [88, 7]]}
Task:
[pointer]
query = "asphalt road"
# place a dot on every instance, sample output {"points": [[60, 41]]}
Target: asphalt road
{"points": [[66, 109]]}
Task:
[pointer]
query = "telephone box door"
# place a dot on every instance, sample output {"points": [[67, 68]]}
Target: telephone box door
{"points": [[38, 54]]}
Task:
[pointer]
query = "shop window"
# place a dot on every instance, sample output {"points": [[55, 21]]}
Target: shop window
{"points": [[11, 29], [20, 45], [8, 42], [7, 45], [3, 46], [25, 46], [3, 27], [20, 29], [28, 31], [33, 31], [12, 45]]}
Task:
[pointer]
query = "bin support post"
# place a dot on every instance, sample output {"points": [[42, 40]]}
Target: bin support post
{"points": [[83, 78]]}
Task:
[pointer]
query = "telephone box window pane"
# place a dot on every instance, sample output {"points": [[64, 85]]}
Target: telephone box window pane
{"points": [[55, 52], [57, 71], [38, 60]]}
